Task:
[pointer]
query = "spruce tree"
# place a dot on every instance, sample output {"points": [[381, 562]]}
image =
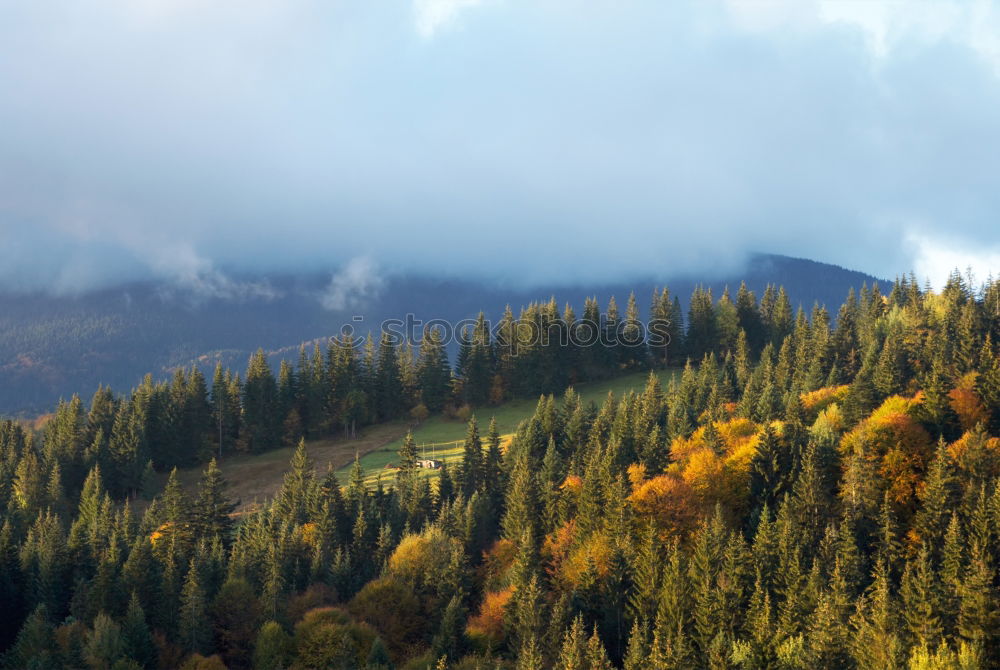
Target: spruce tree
{"points": [[194, 628], [521, 515], [136, 637], [920, 593], [260, 406], [211, 516], [471, 474], [433, 372], [388, 386]]}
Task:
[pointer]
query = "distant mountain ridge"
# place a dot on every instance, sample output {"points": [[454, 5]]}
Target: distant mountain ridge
{"points": [[54, 346]]}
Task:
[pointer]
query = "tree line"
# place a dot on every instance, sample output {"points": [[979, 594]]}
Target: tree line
{"points": [[341, 387]]}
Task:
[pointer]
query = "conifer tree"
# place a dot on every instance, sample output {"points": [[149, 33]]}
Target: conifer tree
{"points": [[194, 627], [260, 406], [646, 571], [388, 387], [701, 328], [449, 641], [104, 645], [136, 637], [770, 470], [920, 595], [211, 516], [573, 652], [433, 372], [471, 473], [597, 657], [298, 498], [521, 515]]}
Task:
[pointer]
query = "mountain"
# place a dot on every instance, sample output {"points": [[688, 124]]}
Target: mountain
{"points": [[54, 346]]}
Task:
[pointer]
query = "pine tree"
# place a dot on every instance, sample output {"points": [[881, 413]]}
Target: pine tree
{"points": [[194, 626], [770, 470], [748, 317], [633, 341], [637, 654], [434, 373], [597, 657], [529, 618], [701, 334], [104, 644], [298, 499], [920, 594], [449, 641], [471, 474], [136, 637], [211, 516], [978, 615], [521, 514], [646, 571], [175, 512], [573, 652], [875, 643], [936, 500], [388, 387], [260, 406]]}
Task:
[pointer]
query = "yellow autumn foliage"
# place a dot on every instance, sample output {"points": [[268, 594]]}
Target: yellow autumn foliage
{"points": [[160, 532], [420, 555], [818, 400], [976, 453], [636, 474], [595, 550], [309, 534]]}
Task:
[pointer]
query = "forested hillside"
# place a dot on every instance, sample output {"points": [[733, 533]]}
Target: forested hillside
{"points": [[52, 347], [815, 490]]}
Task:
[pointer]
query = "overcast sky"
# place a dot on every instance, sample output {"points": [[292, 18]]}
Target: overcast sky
{"points": [[535, 139]]}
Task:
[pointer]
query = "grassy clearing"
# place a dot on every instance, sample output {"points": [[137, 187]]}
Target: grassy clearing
{"points": [[442, 438], [255, 478]]}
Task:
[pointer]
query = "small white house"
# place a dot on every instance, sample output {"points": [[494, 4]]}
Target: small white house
{"points": [[429, 464]]}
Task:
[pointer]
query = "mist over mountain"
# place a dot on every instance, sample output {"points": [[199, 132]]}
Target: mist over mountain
{"points": [[54, 346]]}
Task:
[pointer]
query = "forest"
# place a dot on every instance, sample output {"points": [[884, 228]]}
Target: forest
{"points": [[814, 490], [52, 346]]}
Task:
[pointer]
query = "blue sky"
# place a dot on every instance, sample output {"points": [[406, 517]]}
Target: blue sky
{"points": [[533, 141]]}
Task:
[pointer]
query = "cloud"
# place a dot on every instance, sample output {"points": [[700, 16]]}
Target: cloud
{"points": [[539, 142], [936, 257], [349, 287], [434, 15], [890, 26]]}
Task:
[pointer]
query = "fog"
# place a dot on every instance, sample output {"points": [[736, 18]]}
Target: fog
{"points": [[522, 141]]}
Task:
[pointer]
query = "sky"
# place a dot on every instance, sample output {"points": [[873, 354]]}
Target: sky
{"points": [[528, 141]]}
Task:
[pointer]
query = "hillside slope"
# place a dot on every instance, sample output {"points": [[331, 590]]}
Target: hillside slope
{"points": [[255, 478], [52, 347]]}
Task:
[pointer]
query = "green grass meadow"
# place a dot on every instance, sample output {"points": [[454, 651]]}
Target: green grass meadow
{"points": [[441, 438]]}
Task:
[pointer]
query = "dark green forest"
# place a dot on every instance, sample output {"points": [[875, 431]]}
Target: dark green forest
{"points": [[52, 346], [814, 490]]}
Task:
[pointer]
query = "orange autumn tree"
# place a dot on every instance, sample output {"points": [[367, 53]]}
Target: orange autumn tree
{"points": [[893, 439], [487, 627], [966, 402], [715, 462], [668, 502]]}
